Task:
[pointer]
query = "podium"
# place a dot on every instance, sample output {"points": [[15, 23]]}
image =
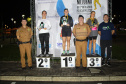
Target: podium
{"points": [[43, 62], [94, 61], [68, 61]]}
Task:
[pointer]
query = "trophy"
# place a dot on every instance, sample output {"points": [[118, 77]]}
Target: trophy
{"points": [[64, 20], [42, 25]]}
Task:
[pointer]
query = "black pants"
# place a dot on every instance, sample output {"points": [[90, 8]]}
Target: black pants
{"points": [[104, 44], [44, 38]]}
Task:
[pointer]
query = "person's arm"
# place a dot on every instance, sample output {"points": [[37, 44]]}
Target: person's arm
{"points": [[74, 31], [49, 26], [87, 22], [89, 30], [113, 29], [61, 24], [71, 22], [99, 30], [17, 34], [96, 23]]}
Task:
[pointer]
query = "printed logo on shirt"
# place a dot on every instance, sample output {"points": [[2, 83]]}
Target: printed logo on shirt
{"points": [[42, 25], [28, 29], [106, 28]]}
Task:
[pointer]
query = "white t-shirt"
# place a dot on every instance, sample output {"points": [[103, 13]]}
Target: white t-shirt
{"points": [[46, 24]]}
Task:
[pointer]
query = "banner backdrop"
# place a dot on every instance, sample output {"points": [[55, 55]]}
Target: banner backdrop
{"points": [[55, 9]]}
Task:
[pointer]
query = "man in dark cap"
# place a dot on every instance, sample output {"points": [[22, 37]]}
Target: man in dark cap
{"points": [[81, 31]]}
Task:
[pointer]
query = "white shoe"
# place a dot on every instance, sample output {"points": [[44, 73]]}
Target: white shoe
{"points": [[47, 55], [41, 55], [94, 54]]}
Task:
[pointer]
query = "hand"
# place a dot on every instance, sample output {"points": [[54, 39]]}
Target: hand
{"points": [[45, 28], [96, 25], [17, 37], [91, 27], [39, 29], [67, 25], [61, 25]]}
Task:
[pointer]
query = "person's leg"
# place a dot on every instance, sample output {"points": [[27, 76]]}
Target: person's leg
{"points": [[109, 50], [64, 37], [28, 51], [78, 52], [22, 54], [84, 58], [47, 43], [102, 43], [90, 45], [64, 43], [41, 38], [68, 44], [94, 45]]}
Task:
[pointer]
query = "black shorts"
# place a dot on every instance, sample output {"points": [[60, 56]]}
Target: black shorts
{"points": [[92, 38], [66, 32]]}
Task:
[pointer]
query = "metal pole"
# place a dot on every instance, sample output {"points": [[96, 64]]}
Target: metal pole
{"points": [[32, 12]]}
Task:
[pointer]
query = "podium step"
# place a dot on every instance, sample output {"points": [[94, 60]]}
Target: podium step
{"points": [[94, 70], [71, 54]]}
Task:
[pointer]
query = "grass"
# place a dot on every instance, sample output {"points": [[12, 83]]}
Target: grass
{"points": [[9, 53], [119, 52]]}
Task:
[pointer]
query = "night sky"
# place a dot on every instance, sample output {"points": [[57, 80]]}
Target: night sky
{"points": [[15, 9]]}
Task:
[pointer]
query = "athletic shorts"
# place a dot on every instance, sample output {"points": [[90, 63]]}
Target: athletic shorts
{"points": [[92, 38], [66, 32]]}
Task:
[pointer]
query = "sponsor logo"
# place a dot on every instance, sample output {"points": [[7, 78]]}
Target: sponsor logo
{"points": [[39, 45], [106, 28], [59, 44]]}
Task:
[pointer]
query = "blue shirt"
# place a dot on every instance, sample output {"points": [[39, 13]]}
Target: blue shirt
{"points": [[106, 30]]}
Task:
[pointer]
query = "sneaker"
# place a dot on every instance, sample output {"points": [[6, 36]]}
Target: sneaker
{"points": [[41, 55], [103, 63], [94, 54], [64, 52], [77, 67], [24, 68], [31, 67], [68, 52], [90, 54], [85, 68], [108, 64], [47, 55]]}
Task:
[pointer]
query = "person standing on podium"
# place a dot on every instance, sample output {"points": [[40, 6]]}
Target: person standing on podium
{"points": [[81, 32], [66, 22], [43, 27], [93, 23]]}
